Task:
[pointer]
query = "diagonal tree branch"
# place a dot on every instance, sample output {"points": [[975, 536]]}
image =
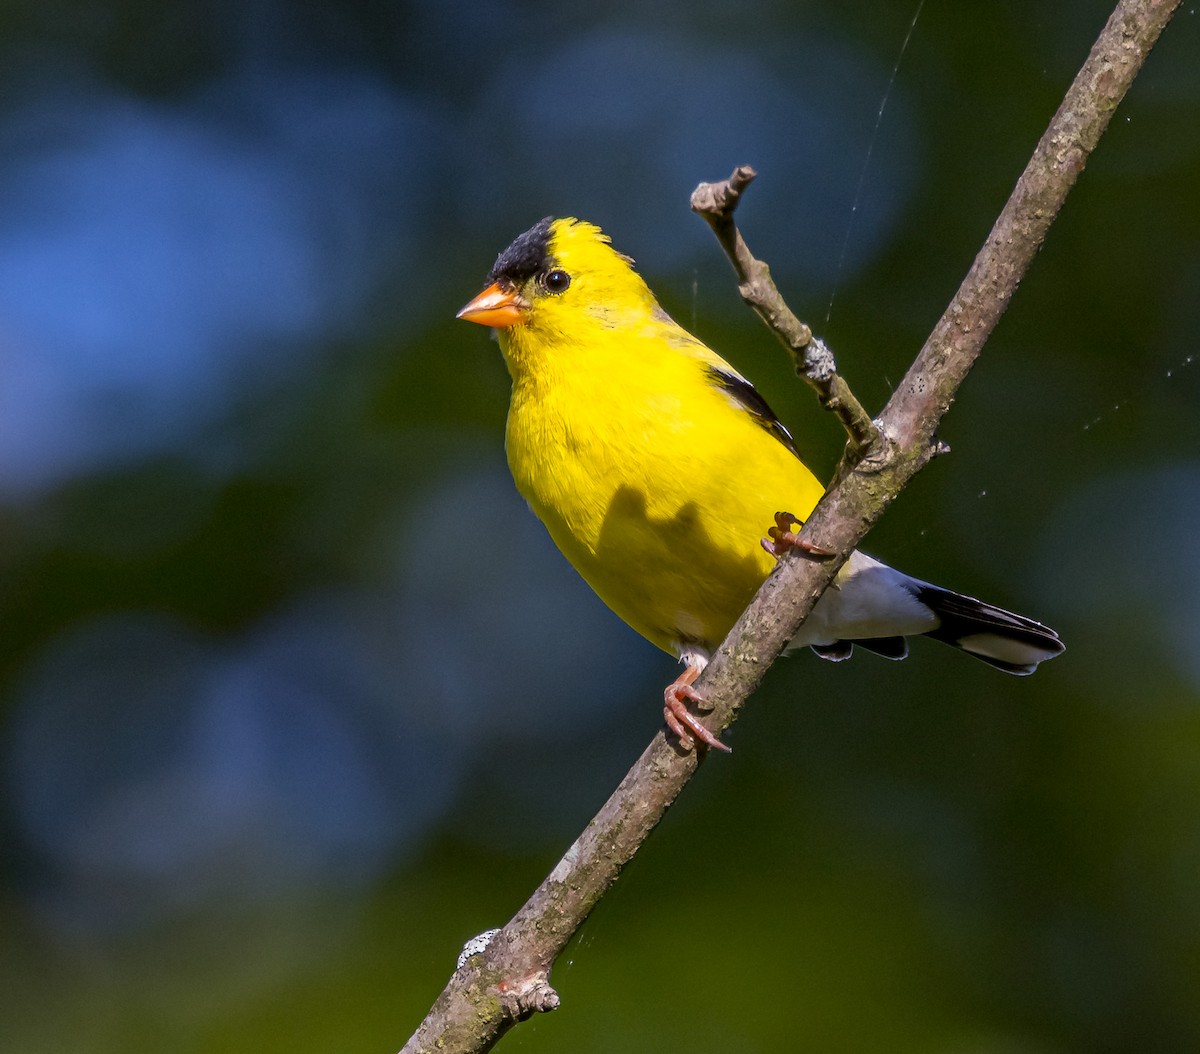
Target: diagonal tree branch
{"points": [[508, 979]]}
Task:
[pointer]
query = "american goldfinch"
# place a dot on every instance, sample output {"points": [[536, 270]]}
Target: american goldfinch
{"points": [[656, 467]]}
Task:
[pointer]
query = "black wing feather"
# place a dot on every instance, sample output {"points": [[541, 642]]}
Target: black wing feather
{"points": [[746, 395]]}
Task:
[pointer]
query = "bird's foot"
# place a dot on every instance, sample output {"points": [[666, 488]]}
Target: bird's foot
{"points": [[782, 540], [680, 720]]}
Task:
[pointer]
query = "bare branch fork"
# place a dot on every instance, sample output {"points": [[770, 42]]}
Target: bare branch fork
{"points": [[715, 202], [508, 979]]}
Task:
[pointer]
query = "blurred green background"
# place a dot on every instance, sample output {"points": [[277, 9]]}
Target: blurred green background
{"points": [[297, 697]]}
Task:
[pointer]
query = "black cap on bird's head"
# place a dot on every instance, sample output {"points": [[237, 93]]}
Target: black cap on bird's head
{"points": [[540, 265], [526, 256], [501, 304]]}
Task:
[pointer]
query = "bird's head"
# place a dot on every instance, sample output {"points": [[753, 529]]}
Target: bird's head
{"points": [[560, 274]]}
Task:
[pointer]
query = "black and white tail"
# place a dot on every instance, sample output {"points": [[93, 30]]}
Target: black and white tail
{"points": [[1010, 642], [875, 607]]}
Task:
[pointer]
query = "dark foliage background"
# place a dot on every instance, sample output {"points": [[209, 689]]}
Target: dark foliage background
{"points": [[296, 697]]}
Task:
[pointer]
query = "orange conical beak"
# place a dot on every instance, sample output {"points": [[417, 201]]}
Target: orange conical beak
{"points": [[495, 307]]}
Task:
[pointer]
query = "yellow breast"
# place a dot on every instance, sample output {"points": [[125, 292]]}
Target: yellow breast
{"points": [[650, 479]]}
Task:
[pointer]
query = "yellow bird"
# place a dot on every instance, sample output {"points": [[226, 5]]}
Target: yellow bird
{"points": [[656, 466]]}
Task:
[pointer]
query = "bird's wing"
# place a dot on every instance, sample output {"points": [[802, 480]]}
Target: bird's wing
{"points": [[742, 392], [720, 374]]}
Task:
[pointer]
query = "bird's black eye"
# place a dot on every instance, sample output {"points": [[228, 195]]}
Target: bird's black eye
{"points": [[556, 281]]}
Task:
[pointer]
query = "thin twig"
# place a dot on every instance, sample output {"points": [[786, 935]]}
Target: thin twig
{"points": [[509, 979], [715, 203]]}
